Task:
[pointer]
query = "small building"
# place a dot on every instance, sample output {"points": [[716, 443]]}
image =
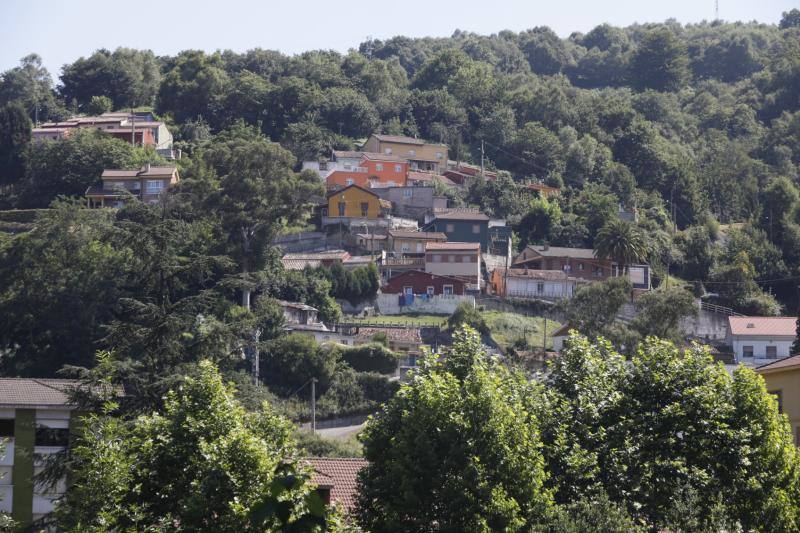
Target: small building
{"points": [[460, 260], [147, 184], [355, 202], [373, 171], [462, 225], [782, 378], [336, 479], [300, 260], [579, 263], [374, 242], [412, 243], [139, 128], [758, 340], [417, 282], [36, 416], [412, 201], [420, 155], [559, 336], [533, 284]]}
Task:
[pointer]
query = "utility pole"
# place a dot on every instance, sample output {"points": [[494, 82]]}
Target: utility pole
{"points": [[544, 339], [716, 9], [482, 158], [256, 357], [133, 128], [313, 406]]}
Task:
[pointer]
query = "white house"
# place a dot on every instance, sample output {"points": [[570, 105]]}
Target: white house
{"points": [[559, 336], [529, 283], [758, 340]]}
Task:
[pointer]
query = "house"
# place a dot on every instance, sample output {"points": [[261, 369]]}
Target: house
{"points": [[420, 155], [782, 378], [141, 129], [300, 260], [355, 202], [460, 260], [416, 178], [373, 170], [544, 191], [412, 201], [559, 336], [36, 418], [527, 283], [419, 282], [579, 263], [147, 184], [461, 173], [336, 479], [461, 225], [372, 241], [757, 340], [411, 243]]}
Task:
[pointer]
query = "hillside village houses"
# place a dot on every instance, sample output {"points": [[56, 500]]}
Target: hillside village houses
{"points": [[146, 184], [758, 341]]}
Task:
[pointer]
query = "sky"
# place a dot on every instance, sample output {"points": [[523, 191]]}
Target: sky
{"points": [[63, 30]]}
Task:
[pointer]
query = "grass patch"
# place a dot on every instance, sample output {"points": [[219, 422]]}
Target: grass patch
{"points": [[508, 327]]}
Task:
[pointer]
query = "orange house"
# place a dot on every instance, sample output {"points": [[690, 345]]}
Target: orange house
{"points": [[374, 170]]}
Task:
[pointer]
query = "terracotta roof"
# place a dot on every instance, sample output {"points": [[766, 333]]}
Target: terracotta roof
{"points": [[548, 275], [339, 191], [153, 171], [541, 187], [36, 392], [787, 363], [331, 254], [398, 139], [432, 246], [340, 475], [558, 251], [375, 156], [409, 234], [411, 335], [461, 214], [781, 326]]}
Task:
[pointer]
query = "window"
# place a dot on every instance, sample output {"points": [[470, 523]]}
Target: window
{"points": [[349, 181], [342, 207], [779, 397], [404, 247], [476, 228], [430, 291], [439, 155], [6, 427], [452, 258], [408, 193], [420, 248], [155, 186], [580, 266], [540, 287], [408, 290], [567, 268], [436, 258], [387, 151], [450, 228], [772, 352], [348, 166], [412, 152], [364, 209], [447, 289], [136, 185], [390, 183], [378, 167], [398, 168], [747, 351], [51, 436], [466, 259], [598, 272]]}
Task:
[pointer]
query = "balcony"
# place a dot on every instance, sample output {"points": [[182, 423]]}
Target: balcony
{"points": [[407, 262]]}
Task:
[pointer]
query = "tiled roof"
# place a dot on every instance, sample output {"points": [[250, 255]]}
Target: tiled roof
{"points": [[408, 234], [461, 214], [563, 331], [411, 335], [359, 259], [558, 251], [340, 191], [371, 237], [375, 156], [340, 475], [432, 246], [296, 305], [35, 392], [780, 326], [153, 171], [319, 256], [547, 275], [398, 139], [299, 264], [95, 190], [786, 363]]}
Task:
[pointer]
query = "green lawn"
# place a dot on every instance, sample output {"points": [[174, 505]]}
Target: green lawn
{"points": [[424, 320], [508, 327]]}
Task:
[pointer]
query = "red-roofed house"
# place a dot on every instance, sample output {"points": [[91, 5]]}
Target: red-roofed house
{"points": [[757, 340], [336, 479]]}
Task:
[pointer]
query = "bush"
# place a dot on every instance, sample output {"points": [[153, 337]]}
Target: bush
{"points": [[465, 314], [354, 393], [312, 445], [289, 362], [370, 358]]}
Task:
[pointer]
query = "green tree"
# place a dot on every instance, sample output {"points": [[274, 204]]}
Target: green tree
{"points": [[698, 253], [455, 450], [790, 19], [204, 463], [660, 313], [99, 105], [622, 242], [194, 85], [660, 62], [290, 361], [594, 307], [468, 315], [15, 138], [31, 84]]}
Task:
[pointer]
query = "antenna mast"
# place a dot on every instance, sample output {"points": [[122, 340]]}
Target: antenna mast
{"points": [[716, 9]]}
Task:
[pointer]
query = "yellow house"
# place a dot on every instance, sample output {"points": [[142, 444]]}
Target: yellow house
{"points": [[356, 202], [783, 381]]}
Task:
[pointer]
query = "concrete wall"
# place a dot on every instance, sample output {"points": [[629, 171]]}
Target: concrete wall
{"points": [[389, 304]]}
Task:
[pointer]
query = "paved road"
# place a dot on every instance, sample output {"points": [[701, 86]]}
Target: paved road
{"points": [[341, 432]]}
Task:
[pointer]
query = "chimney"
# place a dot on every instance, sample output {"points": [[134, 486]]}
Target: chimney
{"points": [[545, 247], [147, 168]]}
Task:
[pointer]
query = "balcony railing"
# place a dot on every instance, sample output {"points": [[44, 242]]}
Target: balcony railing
{"points": [[404, 261]]}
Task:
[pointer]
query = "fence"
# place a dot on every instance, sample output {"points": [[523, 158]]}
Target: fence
{"points": [[442, 304]]}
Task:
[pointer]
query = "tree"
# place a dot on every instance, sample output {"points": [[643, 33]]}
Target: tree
{"points": [[670, 434], [99, 105], [15, 138], [204, 463], [790, 19], [660, 62], [594, 307], [455, 450], [289, 362], [467, 315], [660, 313], [31, 84], [620, 241], [698, 253], [374, 357], [194, 85]]}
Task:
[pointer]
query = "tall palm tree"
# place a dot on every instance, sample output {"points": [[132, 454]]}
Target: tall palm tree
{"points": [[621, 242]]}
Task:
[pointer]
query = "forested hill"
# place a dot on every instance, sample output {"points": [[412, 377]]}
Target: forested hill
{"points": [[693, 125]]}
